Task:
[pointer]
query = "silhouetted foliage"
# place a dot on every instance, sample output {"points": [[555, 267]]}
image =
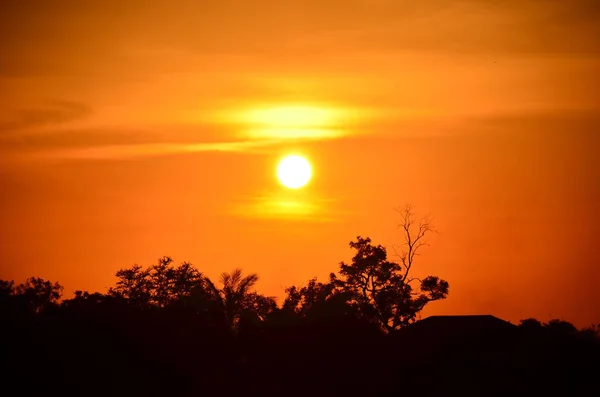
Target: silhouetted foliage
{"points": [[373, 288], [7, 289], [560, 327], [591, 333], [323, 305], [384, 290], [237, 300], [169, 330], [33, 296], [159, 285], [531, 324]]}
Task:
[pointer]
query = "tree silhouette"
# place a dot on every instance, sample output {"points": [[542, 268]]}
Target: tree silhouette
{"points": [[166, 330], [159, 285], [555, 328], [173, 284], [560, 327], [302, 300], [383, 290], [591, 333], [319, 302], [237, 299], [133, 285], [7, 289], [35, 295], [531, 323]]}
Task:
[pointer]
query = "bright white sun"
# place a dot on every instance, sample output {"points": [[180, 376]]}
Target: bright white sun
{"points": [[294, 171]]}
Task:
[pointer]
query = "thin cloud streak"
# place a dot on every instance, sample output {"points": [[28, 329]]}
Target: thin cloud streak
{"points": [[50, 113], [116, 152]]}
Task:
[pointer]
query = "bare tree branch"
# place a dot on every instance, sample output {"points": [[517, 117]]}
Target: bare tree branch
{"points": [[414, 237]]}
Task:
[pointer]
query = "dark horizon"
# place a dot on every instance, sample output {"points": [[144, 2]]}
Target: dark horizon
{"points": [[170, 331]]}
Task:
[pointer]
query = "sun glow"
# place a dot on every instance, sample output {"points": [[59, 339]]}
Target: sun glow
{"points": [[293, 133], [294, 171], [292, 121], [292, 117]]}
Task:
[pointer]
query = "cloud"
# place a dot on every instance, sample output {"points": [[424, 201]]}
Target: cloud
{"points": [[115, 143], [50, 113], [240, 131], [118, 146], [94, 36], [472, 27], [547, 121], [152, 140], [132, 151]]}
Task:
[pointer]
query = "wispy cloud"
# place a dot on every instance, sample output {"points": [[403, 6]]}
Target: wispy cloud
{"points": [[50, 113], [242, 130], [131, 151], [102, 36]]}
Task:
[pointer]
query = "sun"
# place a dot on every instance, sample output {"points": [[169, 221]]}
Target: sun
{"points": [[294, 171]]}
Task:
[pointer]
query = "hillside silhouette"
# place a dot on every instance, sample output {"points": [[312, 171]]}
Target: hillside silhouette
{"points": [[169, 330]]}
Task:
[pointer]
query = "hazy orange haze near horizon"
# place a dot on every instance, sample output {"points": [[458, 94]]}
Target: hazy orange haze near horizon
{"points": [[133, 130]]}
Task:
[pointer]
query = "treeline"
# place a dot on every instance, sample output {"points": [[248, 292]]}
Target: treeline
{"points": [[368, 295], [371, 289], [370, 292], [179, 331], [235, 305], [168, 329]]}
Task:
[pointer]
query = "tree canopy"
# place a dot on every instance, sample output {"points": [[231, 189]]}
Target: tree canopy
{"points": [[169, 329]]}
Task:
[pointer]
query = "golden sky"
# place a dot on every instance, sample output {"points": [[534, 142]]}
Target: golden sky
{"points": [[132, 130]]}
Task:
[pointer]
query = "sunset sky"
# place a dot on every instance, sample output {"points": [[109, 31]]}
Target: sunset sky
{"points": [[135, 129]]}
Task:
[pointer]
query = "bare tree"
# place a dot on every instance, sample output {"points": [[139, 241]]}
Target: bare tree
{"points": [[383, 290], [414, 234]]}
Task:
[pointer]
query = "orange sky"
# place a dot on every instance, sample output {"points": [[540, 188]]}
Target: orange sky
{"points": [[132, 130]]}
